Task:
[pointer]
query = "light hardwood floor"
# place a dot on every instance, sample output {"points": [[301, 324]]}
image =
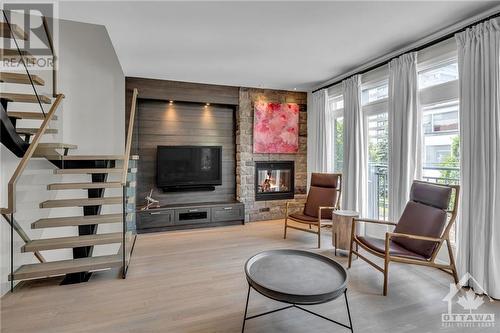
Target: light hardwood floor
{"points": [[193, 281]]}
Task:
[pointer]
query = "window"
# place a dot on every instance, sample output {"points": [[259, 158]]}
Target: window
{"points": [[438, 74], [378, 157], [438, 85], [374, 101], [337, 103], [374, 93], [441, 143], [440, 122], [338, 143], [337, 132]]}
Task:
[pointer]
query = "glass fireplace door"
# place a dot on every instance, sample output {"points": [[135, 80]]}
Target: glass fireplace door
{"points": [[274, 180]]}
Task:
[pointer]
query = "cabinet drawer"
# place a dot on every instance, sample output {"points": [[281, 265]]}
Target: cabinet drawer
{"points": [[228, 213], [155, 219], [192, 215]]}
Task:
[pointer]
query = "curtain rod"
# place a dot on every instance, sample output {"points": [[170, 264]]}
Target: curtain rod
{"points": [[415, 49]]}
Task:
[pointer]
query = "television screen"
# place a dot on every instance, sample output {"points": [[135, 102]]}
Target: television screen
{"points": [[189, 166]]}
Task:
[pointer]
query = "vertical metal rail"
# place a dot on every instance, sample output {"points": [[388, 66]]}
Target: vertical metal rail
{"points": [[24, 63]]}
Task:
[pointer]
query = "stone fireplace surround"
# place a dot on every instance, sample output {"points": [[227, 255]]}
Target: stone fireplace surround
{"points": [[245, 158]]}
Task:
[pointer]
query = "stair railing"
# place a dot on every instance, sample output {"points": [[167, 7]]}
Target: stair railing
{"points": [[8, 213], [128, 186], [11, 208]]}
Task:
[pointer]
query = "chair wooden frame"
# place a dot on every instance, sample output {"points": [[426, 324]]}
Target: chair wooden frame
{"points": [[318, 224], [431, 262]]}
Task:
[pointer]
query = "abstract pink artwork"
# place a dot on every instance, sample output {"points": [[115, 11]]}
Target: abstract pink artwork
{"points": [[276, 128]]}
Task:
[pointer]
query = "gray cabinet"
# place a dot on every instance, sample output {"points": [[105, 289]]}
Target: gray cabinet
{"points": [[190, 215], [155, 218], [228, 213]]}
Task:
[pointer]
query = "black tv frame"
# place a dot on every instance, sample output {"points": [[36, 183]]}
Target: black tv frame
{"points": [[190, 186]]}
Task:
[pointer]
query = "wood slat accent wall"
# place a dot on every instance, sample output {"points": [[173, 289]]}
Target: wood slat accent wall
{"points": [[160, 123], [156, 126]]}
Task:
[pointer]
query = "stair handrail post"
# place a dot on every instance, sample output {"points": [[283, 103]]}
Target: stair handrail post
{"points": [[128, 142], [28, 154], [126, 159]]}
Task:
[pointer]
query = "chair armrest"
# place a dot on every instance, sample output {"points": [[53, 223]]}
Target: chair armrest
{"points": [[321, 208], [390, 235], [365, 220], [356, 219]]}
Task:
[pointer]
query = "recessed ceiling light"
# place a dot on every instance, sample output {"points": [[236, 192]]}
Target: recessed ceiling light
{"points": [[170, 102], [207, 104]]}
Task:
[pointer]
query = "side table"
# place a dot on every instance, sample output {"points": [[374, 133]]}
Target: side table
{"points": [[341, 229]]}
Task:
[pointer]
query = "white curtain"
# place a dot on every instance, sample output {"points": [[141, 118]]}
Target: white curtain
{"points": [[354, 180], [479, 224], [317, 133], [404, 132]]}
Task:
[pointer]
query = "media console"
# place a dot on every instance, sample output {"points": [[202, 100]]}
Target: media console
{"points": [[187, 216]]}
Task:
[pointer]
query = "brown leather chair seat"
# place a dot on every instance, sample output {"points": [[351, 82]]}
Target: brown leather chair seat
{"points": [[378, 245], [302, 218]]}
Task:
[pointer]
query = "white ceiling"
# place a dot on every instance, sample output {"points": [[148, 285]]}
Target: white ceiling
{"points": [[281, 45]]}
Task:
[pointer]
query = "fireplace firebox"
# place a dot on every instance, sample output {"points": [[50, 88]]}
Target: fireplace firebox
{"points": [[274, 180]]}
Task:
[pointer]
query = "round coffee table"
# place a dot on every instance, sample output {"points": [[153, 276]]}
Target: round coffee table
{"points": [[298, 278]]}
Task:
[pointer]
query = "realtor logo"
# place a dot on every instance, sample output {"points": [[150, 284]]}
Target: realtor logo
{"points": [[33, 34], [469, 301]]}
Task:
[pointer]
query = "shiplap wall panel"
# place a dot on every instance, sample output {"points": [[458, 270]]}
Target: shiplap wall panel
{"points": [[160, 123]]}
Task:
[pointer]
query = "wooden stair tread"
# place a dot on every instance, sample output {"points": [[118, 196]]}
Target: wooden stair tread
{"points": [[72, 242], [56, 145], [14, 54], [33, 131], [67, 266], [87, 171], [5, 31], [20, 78], [81, 202], [25, 98], [49, 150], [77, 220], [28, 115], [92, 157], [83, 186]]}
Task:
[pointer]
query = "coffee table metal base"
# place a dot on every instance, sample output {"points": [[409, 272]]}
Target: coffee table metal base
{"points": [[245, 318]]}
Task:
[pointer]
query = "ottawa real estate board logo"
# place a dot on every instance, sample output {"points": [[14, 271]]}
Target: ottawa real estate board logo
{"points": [[33, 37], [467, 309]]}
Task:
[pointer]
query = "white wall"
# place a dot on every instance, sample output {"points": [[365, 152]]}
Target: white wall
{"points": [[93, 82], [91, 116]]}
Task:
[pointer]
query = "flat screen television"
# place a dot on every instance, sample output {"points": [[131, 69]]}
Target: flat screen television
{"points": [[184, 167]]}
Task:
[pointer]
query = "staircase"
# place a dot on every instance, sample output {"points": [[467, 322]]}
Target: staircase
{"points": [[26, 143]]}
